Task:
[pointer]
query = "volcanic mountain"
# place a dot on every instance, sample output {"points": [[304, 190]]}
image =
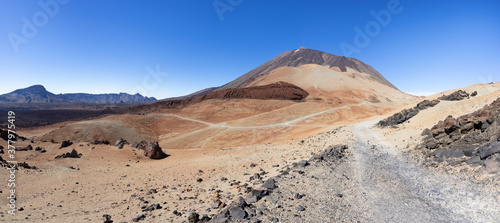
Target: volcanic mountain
{"points": [[303, 56], [38, 94]]}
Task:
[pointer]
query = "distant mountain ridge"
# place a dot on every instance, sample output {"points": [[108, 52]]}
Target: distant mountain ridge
{"points": [[38, 94]]}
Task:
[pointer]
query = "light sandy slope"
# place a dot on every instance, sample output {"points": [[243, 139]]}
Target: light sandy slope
{"points": [[328, 84]]}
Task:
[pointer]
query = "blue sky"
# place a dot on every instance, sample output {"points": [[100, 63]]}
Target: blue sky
{"points": [[175, 47]]}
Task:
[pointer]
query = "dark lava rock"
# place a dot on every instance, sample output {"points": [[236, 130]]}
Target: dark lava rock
{"points": [[269, 184], [427, 104], [4, 134], [455, 96], [303, 163], [120, 143], [474, 135], [152, 207], [101, 142], [256, 195], [27, 148], [298, 196], [107, 218], [154, 151], [236, 210], [407, 114], [488, 150], [193, 217], [72, 154], [474, 94], [26, 166], [139, 218], [66, 144], [301, 208], [217, 204], [399, 117]]}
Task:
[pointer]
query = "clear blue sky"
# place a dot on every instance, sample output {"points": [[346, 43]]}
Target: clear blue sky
{"points": [[98, 46]]}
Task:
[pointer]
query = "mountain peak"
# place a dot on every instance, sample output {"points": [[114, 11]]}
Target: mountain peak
{"points": [[299, 49], [302, 56], [34, 88]]}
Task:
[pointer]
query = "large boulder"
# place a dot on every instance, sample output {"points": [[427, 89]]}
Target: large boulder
{"points": [[154, 151]]}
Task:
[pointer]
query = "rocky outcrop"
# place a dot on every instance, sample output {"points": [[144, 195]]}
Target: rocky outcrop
{"points": [[4, 134], [72, 154], [407, 114], [471, 138], [455, 96], [277, 91]]}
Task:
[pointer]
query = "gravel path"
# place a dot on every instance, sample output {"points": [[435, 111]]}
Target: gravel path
{"points": [[376, 183]]}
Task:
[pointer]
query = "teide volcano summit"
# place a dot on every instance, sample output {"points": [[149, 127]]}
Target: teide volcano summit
{"points": [[303, 56]]}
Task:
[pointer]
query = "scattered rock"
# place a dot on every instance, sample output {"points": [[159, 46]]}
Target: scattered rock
{"points": [[120, 143], [101, 142], [27, 148], [474, 94], [301, 208], [107, 218], [193, 217], [269, 184], [26, 166], [152, 207], [303, 163], [217, 204], [66, 144], [139, 218], [72, 154]]}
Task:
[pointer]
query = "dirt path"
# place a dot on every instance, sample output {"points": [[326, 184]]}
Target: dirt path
{"points": [[377, 183], [396, 189]]}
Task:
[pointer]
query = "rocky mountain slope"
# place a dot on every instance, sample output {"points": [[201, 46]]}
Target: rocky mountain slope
{"points": [[38, 94]]}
